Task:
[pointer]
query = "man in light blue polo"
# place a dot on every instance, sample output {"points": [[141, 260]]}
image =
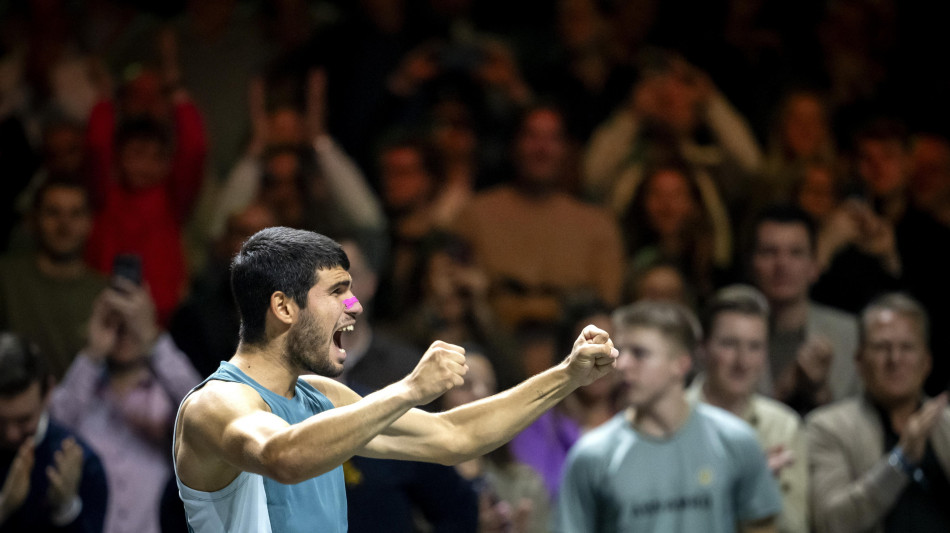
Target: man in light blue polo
{"points": [[664, 464]]}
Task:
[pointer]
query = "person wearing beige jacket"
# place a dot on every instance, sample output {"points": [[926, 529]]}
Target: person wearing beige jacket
{"points": [[881, 462]]}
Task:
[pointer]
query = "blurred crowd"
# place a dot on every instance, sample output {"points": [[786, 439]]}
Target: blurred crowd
{"points": [[500, 174]]}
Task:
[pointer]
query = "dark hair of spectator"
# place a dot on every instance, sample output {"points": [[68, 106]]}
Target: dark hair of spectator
{"points": [[142, 129], [278, 259], [21, 365], [785, 214]]}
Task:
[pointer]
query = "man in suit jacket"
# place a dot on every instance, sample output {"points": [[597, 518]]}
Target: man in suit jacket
{"points": [[881, 462]]}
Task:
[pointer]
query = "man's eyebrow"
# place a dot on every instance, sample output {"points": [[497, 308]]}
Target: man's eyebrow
{"points": [[342, 284]]}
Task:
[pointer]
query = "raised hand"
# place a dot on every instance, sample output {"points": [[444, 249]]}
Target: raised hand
{"points": [[17, 485], [593, 355], [914, 436], [64, 474], [441, 368]]}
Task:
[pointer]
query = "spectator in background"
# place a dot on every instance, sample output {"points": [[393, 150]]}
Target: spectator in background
{"points": [[205, 326], [46, 294], [802, 135], [662, 281], [665, 464], [881, 462], [670, 111], [810, 345], [145, 181], [733, 356], [512, 496], [295, 166], [120, 396], [673, 219], [518, 232], [930, 175], [52, 481]]}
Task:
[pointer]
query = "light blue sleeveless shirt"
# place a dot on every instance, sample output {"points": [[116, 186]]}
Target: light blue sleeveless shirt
{"points": [[255, 504]]}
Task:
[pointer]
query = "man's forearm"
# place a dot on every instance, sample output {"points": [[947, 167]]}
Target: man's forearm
{"points": [[486, 424]]}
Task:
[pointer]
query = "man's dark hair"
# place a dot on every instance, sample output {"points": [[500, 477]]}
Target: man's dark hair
{"points": [[674, 321], [58, 183], [142, 129], [278, 259], [21, 365], [784, 214]]}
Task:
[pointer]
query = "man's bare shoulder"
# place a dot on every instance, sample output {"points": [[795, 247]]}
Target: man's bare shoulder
{"points": [[217, 403], [338, 393]]}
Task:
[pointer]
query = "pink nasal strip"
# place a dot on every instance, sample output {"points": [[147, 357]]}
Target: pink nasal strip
{"points": [[350, 302]]}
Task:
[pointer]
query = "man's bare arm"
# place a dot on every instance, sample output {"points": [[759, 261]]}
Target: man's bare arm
{"points": [[474, 429], [226, 428]]}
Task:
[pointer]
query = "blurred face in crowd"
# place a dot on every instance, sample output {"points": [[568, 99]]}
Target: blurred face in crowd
{"points": [[20, 415], [285, 126], [735, 352], [804, 127], [893, 359], [143, 163], [930, 177], [282, 188], [406, 181], [62, 222], [883, 166], [669, 202], [662, 282], [541, 149], [783, 262], [817, 194], [452, 131], [651, 365], [63, 149], [243, 224], [479, 383]]}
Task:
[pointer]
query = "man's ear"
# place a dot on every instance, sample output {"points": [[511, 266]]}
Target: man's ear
{"points": [[684, 363], [283, 307]]}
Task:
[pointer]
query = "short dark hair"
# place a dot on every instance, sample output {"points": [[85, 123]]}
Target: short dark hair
{"points": [[738, 298], [278, 259], [21, 365], [142, 129], [882, 129], [674, 321], [784, 214], [58, 183]]}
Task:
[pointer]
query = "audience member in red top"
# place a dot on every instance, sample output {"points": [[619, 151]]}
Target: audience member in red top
{"points": [[145, 182]]}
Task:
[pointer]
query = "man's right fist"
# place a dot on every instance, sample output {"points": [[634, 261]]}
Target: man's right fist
{"points": [[441, 368]]}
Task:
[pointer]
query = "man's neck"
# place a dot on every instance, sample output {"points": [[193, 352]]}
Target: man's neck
{"points": [[662, 418], [267, 366], [789, 316], [65, 269]]}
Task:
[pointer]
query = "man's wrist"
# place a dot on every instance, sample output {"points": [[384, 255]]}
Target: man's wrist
{"points": [[899, 461], [67, 513]]}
